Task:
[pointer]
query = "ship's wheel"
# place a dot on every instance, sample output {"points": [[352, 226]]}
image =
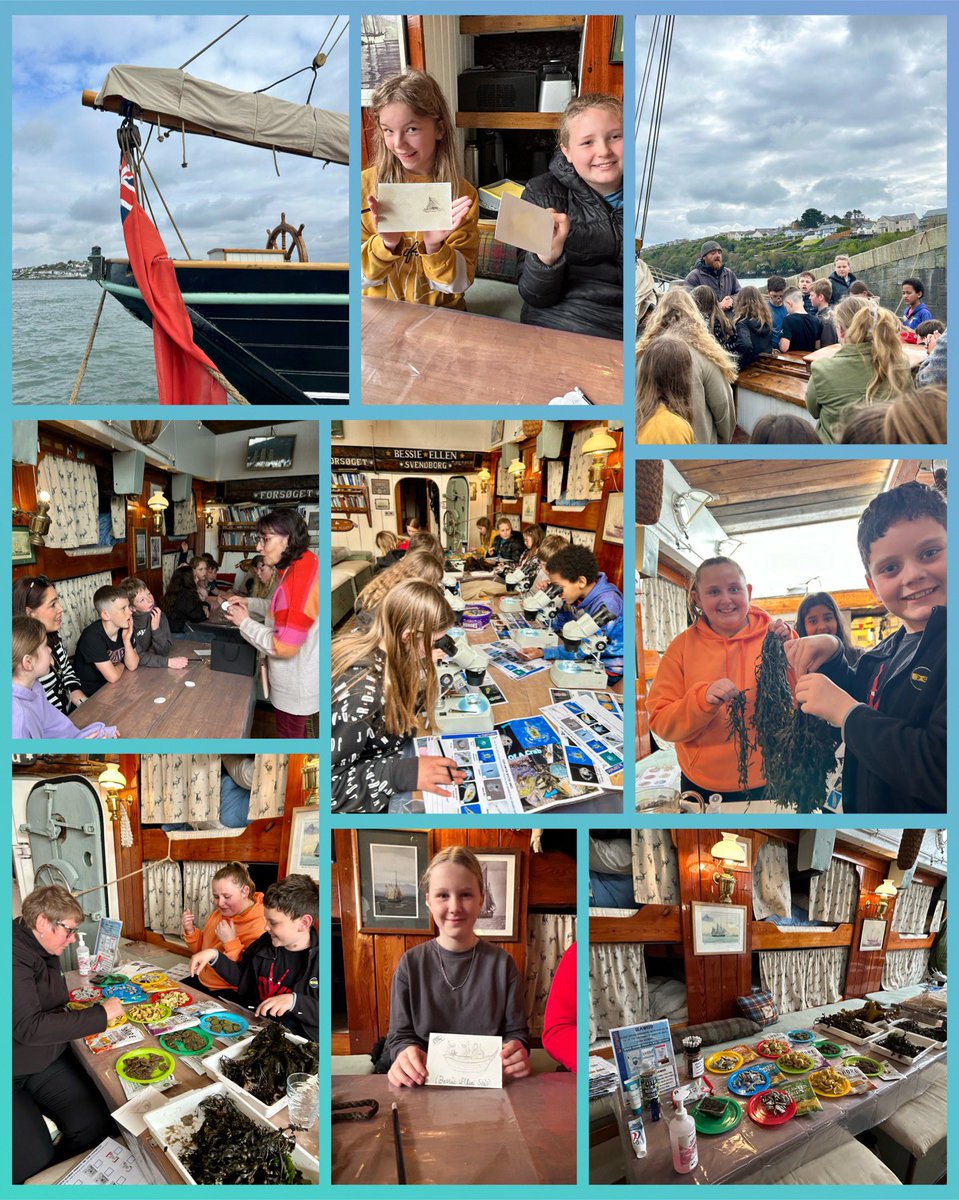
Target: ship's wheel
{"points": [[276, 239]]}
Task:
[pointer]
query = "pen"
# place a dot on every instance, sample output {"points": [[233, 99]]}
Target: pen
{"points": [[398, 1146]]}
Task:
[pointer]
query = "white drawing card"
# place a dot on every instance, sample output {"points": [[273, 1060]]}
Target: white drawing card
{"points": [[464, 1060], [525, 225], [414, 207]]}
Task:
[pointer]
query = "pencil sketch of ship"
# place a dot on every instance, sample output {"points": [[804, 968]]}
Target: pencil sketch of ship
{"points": [[468, 1057], [392, 892]]}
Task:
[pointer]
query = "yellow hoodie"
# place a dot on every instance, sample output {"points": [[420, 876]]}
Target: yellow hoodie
{"points": [[677, 707], [410, 273], [248, 925]]}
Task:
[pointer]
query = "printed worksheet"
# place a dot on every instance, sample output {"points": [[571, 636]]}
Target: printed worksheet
{"points": [[506, 658], [464, 1060], [488, 786], [537, 762], [595, 731]]}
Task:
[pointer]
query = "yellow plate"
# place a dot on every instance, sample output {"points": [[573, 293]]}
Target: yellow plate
{"points": [[723, 1070], [829, 1095]]}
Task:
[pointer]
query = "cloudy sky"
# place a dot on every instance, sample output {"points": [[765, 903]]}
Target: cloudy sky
{"points": [[767, 116], [65, 157]]}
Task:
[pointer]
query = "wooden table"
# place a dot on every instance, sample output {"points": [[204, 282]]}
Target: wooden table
{"points": [[524, 1133], [102, 1070], [220, 705], [415, 354]]}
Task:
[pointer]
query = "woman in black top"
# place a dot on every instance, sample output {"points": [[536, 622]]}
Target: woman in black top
{"points": [[47, 1080], [182, 602], [36, 596]]}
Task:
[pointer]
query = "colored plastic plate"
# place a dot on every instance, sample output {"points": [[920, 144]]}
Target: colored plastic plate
{"points": [[738, 1088], [759, 1114], [172, 998], [829, 1095], [829, 1049], [789, 1069], [868, 1066], [151, 980], [233, 1018], [735, 1061], [804, 1036], [168, 1064], [163, 1012], [87, 992], [768, 1050], [129, 993], [170, 1041], [711, 1125]]}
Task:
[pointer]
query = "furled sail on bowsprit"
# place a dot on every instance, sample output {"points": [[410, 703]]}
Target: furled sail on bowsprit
{"points": [[175, 100]]}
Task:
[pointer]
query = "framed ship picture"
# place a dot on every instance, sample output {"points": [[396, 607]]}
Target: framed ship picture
{"points": [[499, 915], [719, 928], [389, 864]]}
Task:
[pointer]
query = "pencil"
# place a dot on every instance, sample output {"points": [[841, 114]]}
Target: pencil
{"points": [[398, 1146]]}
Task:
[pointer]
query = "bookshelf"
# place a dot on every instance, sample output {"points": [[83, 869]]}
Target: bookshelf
{"points": [[350, 494]]}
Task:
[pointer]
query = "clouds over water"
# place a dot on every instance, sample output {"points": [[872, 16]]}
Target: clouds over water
{"points": [[767, 116], [65, 157]]}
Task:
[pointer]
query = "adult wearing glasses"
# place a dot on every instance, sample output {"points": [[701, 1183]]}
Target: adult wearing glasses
{"points": [[35, 596], [47, 1082], [289, 634]]}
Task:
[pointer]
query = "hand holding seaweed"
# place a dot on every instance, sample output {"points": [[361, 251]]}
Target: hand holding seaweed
{"points": [[798, 748]]}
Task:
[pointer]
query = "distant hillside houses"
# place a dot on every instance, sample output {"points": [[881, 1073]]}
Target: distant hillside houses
{"points": [[900, 223], [932, 217]]}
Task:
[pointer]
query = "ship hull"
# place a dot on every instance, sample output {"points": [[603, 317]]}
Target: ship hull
{"points": [[278, 332]]}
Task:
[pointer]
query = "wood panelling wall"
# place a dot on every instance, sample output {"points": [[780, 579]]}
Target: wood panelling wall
{"points": [[121, 559], [547, 881]]}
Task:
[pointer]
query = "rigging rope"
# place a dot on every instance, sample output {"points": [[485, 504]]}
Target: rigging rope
{"points": [[661, 36], [86, 356], [213, 43]]}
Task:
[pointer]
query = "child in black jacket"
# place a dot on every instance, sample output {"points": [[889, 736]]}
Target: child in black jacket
{"points": [[891, 706], [278, 975]]}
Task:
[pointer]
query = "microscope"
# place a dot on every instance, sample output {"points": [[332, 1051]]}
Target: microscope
{"points": [[471, 713], [511, 602], [541, 607], [451, 588], [585, 635]]}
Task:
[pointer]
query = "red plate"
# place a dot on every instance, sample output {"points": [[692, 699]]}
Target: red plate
{"points": [[164, 997], [86, 993], [758, 1114], [768, 1054]]}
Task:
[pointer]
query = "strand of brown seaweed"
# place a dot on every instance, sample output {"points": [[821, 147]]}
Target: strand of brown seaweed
{"points": [[739, 735], [798, 749]]}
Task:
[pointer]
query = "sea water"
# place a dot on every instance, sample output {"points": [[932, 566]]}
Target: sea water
{"points": [[51, 326]]}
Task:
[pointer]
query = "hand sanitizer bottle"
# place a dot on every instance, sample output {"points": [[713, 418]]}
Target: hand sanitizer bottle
{"points": [[682, 1138], [83, 956]]}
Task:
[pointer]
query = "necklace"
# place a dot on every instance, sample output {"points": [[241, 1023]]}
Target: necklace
{"points": [[469, 971]]}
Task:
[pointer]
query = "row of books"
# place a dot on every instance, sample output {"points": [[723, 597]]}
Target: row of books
{"points": [[348, 479]]}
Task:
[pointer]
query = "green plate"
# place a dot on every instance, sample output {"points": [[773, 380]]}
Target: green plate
{"points": [[729, 1120], [142, 1052], [169, 1041], [857, 1060], [790, 1070], [837, 1052]]}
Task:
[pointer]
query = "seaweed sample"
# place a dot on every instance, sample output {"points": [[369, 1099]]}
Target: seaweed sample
{"points": [[230, 1148], [263, 1067], [798, 749], [739, 736]]}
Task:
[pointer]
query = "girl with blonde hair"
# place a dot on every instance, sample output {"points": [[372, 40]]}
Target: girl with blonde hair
{"points": [[414, 141], [913, 418], [870, 365], [664, 384], [578, 285], [415, 564], [383, 680], [711, 397], [457, 982]]}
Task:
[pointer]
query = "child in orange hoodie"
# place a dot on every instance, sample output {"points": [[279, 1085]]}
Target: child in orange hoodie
{"points": [[703, 668], [235, 923]]}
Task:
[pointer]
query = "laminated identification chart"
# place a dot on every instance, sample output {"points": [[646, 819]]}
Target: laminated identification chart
{"points": [[488, 787], [594, 730], [506, 658]]}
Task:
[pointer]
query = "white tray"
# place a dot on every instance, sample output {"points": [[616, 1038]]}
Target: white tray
{"points": [[837, 1035], [926, 1045], [212, 1062], [162, 1120], [918, 1037]]}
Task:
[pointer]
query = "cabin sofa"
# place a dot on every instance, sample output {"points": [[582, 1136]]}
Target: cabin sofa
{"points": [[350, 572]]}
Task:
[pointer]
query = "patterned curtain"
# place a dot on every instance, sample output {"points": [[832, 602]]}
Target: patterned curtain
{"points": [[197, 885], [548, 937], [184, 517], [617, 987], [162, 897], [269, 786], [78, 610], [772, 895], [179, 787], [663, 606], [800, 979], [904, 968], [912, 909], [169, 566], [74, 509], [834, 895], [578, 464], [655, 867], [118, 517]]}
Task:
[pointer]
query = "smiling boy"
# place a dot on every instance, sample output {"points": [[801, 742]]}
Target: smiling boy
{"points": [[891, 707]]}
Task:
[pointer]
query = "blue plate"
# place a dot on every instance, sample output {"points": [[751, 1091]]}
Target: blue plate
{"points": [[129, 993], [738, 1089], [805, 1037], [233, 1018]]}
